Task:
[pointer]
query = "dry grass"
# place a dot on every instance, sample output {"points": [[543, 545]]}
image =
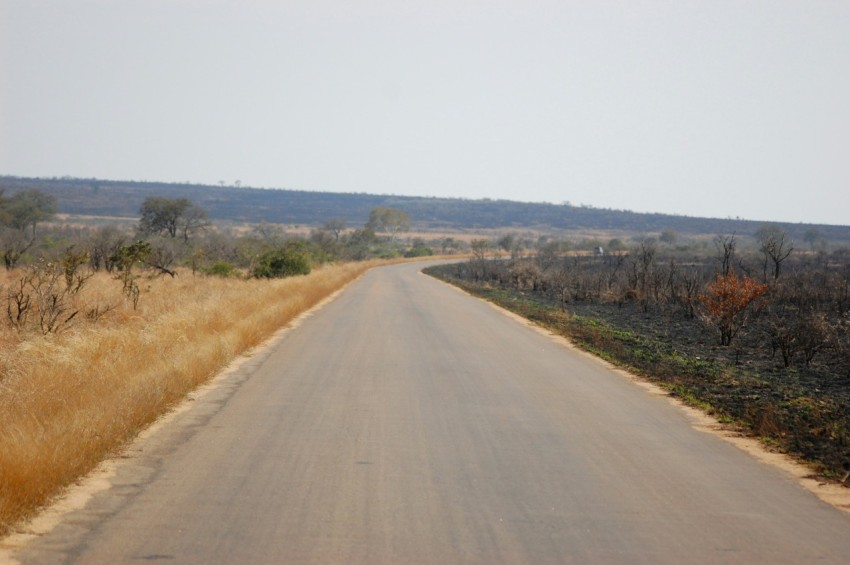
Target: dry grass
{"points": [[69, 400]]}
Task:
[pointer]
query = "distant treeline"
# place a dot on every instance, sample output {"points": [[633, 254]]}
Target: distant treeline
{"points": [[252, 205]]}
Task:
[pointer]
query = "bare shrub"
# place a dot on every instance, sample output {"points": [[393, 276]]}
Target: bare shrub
{"points": [[19, 303], [53, 301], [43, 294], [525, 274], [814, 334], [782, 334]]}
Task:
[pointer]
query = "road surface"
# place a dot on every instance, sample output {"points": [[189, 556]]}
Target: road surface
{"points": [[406, 422]]}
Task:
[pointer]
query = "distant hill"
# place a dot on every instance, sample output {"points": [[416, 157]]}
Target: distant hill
{"points": [[252, 205]]}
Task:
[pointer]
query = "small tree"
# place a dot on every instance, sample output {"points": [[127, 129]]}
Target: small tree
{"points": [[725, 245], [510, 244], [775, 246], [727, 301], [126, 257], [479, 249]]}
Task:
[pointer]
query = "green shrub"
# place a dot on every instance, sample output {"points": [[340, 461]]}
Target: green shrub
{"points": [[419, 251], [286, 261], [219, 269]]}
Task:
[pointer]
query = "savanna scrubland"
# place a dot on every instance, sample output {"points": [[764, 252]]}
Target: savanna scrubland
{"points": [[108, 323]]}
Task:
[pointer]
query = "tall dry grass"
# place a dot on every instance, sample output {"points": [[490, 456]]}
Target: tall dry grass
{"points": [[69, 400]]}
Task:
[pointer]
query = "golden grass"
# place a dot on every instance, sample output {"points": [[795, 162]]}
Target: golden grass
{"points": [[69, 400]]}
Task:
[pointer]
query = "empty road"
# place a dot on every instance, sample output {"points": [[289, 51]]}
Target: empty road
{"points": [[405, 422]]}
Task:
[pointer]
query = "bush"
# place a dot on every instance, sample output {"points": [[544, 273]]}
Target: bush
{"points": [[219, 269], [419, 252], [286, 261]]}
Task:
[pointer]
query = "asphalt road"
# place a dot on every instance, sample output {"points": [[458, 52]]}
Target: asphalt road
{"points": [[406, 422]]}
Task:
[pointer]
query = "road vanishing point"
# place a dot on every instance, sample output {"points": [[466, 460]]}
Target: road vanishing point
{"points": [[406, 422]]}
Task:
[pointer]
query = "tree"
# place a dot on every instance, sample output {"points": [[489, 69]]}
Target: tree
{"points": [[511, 244], [19, 216], [547, 254], [668, 236], [31, 207], [325, 242], [13, 245], [725, 245], [616, 244], [814, 238], [727, 301], [775, 245], [335, 226], [194, 219], [162, 255], [507, 241], [25, 209], [479, 249], [448, 244], [389, 220], [171, 216]]}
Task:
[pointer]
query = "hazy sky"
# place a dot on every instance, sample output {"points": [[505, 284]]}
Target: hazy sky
{"points": [[705, 108]]}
